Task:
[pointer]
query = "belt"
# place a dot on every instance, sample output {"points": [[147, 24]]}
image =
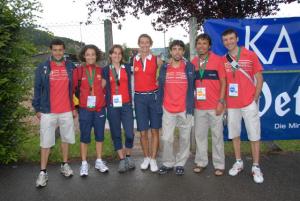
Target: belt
{"points": [[146, 92]]}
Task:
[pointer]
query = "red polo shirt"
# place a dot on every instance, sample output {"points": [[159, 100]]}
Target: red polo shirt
{"points": [[145, 74], [250, 63], [215, 68]]}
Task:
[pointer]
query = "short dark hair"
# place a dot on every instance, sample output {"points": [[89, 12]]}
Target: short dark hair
{"points": [[145, 36], [57, 41], [116, 46], [177, 43], [203, 36], [229, 31], [85, 48]]}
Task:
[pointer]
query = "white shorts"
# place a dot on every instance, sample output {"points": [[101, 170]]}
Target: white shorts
{"points": [[48, 124], [250, 114]]}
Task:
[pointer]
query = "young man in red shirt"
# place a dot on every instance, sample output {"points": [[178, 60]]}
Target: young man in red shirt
{"points": [[54, 107], [176, 95], [210, 88], [148, 115], [244, 85]]}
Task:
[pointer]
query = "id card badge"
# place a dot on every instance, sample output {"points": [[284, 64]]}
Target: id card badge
{"points": [[233, 90], [117, 100], [201, 93], [91, 101]]}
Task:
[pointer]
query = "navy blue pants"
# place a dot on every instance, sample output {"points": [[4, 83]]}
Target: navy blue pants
{"points": [[147, 111], [88, 120], [117, 116]]}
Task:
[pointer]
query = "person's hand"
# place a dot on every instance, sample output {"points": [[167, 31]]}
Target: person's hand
{"points": [[219, 109], [103, 83], [75, 114], [38, 115]]}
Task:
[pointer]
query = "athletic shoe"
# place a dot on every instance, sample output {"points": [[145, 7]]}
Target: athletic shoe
{"points": [[153, 165], [237, 167], [257, 175], [84, 169], [101, 166], [66, 170], [164, 169], [130, 163], [145, 164], [122, 166], [42, 179]]}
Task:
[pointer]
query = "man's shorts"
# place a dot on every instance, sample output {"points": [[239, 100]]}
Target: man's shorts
{"points": [[250, 114], [89, 120], [49, 123], [147, 111]]}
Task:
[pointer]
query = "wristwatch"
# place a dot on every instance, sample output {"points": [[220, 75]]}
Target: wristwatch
{"points": [[222, 101]]}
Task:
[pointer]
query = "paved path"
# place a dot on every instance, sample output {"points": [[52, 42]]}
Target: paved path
{"points": [[282, 183]]}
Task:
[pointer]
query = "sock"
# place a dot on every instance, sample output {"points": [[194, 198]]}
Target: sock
{"points": [[127, 155], [84, 162], [63, 163], [98, 160], [122, 159], [239, 160], [255, 165], [44, 170]]}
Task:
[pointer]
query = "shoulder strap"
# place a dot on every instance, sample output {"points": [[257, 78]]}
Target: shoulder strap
{"points": [[236, 66]]}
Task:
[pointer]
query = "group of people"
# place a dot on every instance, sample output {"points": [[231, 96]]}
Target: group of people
{"points": [[177, 93]]}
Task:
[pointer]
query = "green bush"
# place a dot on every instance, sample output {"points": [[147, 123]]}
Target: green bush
{"points": [[15, 71]]}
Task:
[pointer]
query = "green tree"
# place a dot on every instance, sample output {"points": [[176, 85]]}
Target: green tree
{"points": [[15, 70]]}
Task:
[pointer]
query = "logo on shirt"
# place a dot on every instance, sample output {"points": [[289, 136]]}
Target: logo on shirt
{"points": [[136, 69], [110, 77], [99, 77]]}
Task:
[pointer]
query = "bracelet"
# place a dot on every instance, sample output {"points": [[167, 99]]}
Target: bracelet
{"points": [[222, 101]]}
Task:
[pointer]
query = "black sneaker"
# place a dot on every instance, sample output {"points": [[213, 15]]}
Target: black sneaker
{"points": [[179, 170], [164, 169]]}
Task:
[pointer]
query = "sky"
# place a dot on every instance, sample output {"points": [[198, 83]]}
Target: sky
{"points": [[63, 18]]}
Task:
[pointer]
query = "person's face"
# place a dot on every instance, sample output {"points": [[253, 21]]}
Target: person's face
{"points": [[116, 56], [202, 46], [177, 52], [58, 51], [90, 56], [230, 41], [144, 45]]}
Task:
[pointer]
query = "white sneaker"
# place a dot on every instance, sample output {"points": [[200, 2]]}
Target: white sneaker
{"points": [[145, 164], [42, 179], [66, 170], [236, 168], [153, 165], [257, 175], [84, 169], [101, 166]]}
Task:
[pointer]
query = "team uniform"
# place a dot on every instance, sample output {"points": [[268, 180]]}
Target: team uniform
{"points": [[176, 95], [208, 87], [148, 114], [240, 96], [92, 113]]}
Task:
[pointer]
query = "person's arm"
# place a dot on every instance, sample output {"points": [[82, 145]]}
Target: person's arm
{"points": [[221, 101], [37, 93], [259, 84]]}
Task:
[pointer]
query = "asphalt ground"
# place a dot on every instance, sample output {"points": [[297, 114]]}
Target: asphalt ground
{"points": [[281, 173]]}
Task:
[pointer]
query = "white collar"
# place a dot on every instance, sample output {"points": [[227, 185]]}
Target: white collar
{"points": [[138, 56], [121, 66]]}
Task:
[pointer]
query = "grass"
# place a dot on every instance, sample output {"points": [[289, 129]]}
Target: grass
{"points": [[30, 149]]}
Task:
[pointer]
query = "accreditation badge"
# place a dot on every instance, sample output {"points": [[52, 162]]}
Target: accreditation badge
{"points": [[201, 93], [117, 100], [91, 102], [233, 89]]}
